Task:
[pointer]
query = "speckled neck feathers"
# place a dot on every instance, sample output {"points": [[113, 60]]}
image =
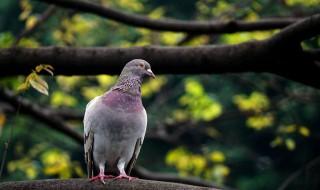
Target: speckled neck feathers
{"points": [[128, 84]]}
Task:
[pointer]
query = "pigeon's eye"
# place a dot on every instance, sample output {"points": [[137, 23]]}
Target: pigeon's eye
{"points": [[141, 65]]}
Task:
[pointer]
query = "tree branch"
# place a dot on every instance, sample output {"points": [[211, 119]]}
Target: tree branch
{"points": [[139, 171], [256, 56], [84, 184], [299, 31], [297, 173], [42, 114], [195, 27], [164, 60]]}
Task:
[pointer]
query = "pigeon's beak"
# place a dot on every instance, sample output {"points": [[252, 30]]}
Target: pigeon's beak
{"points": [[150, 73]]}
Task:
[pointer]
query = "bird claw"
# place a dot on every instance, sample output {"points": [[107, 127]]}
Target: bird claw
{"points": [[124, 176], [101, 178]]}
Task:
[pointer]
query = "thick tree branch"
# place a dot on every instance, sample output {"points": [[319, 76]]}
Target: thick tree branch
{"points": [[256, 56], [139, 171], [84, 184], [298, 31], [164, 60], [195, 27]]}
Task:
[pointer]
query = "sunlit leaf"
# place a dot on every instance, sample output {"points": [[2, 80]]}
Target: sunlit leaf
{"points": [[56, 162], [59, 98], [24, 86], [39, 84], [290, 143], [153, 86], [276, 142], [217, 156], [256, 102], [106, 80], [287, 129], [68, 83], [259, 122], [91, 92], [2, 121], [31, 21], [304, 131], [307, 3]]}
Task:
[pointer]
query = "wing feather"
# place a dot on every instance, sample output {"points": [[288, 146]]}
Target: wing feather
{"points": [[89, 137], [133, 160]]}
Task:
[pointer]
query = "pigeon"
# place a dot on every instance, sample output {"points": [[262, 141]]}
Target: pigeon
{"points": [[115, 125]]}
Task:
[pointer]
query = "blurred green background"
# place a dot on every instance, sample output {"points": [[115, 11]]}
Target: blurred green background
{"points": [[246, 131]]}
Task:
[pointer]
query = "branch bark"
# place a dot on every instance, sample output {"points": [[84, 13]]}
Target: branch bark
{"points": [[255, 56], [139, 171], [84, 184], [195, 27]]}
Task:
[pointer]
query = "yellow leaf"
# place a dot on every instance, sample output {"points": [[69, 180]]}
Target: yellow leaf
{"points": [[47, 68], [221, 170], [39, 84], [157, 13], [304, 131], [23, 87], [59, 98], [2, 119], [198, 164], [194, 87], [259, 122], [256, 102], [217, 156], [287, 129], [306, 3], [91, 92], [290, 143], [276, 142], [106, 80], [31, 21]]}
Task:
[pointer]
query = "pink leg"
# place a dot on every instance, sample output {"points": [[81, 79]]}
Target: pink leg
{"points": [[123, 174], [101, 176]]}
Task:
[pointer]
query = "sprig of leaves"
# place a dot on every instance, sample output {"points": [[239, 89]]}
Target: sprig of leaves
{"points": [[34, 80]]}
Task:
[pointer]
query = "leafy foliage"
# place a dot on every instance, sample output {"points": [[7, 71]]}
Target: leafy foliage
{"points": [[34, 80], [244, 131]]}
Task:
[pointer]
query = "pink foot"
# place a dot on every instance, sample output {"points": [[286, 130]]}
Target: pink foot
{"points": [[101, 177], [125, 176]]}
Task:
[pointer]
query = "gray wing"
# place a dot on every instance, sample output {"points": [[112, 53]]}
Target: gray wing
{"points": [[88, 137], [137, 146], [134, 156], [88, 148]]}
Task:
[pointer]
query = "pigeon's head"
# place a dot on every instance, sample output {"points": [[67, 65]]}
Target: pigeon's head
{"points": [[138, 68]]}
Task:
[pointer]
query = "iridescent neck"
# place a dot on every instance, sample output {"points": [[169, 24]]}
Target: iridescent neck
{"points": [[130, 85]]}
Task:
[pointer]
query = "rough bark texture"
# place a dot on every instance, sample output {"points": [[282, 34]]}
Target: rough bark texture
{"points": [[195, 27], [84, 184], [257, 56]]}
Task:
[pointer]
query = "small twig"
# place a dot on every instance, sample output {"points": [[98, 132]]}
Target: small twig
{"points": [[297, 173], [7, 144], [42, 18], [200, 27]]}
